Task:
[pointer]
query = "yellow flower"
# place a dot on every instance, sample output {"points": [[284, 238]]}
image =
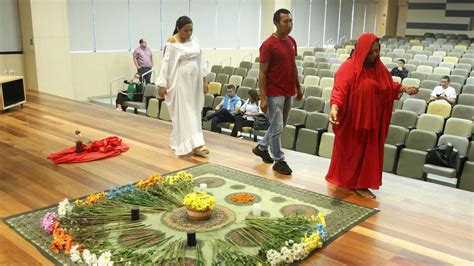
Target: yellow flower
{"points": [[200, 201], [312, 242], [179, 177], [321, 219]]}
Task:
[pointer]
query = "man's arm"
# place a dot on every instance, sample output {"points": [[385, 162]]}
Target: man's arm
{"points": [[136, 63], [262, 84], [299, 94]]}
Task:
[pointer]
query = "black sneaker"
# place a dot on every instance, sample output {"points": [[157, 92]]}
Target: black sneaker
{"points": [[282, 168], [262, 154]]}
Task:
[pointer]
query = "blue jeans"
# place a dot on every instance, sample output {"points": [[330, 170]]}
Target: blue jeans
{"points": [[147, 76], [278, 108]]}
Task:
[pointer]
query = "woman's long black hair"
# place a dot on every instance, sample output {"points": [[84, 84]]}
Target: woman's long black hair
{"points": [[181, 22]]}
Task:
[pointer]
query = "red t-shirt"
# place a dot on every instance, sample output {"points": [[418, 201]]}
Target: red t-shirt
{"points": [[280, 56]]}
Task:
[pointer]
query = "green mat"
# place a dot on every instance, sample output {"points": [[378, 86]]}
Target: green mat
{"points": [[276, 199]]}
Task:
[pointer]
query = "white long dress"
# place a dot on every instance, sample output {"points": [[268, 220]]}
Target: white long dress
{"points": [[182, 74]]}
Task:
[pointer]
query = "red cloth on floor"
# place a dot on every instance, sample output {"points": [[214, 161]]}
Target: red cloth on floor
{"points": [[365, 98], [100, 149]]}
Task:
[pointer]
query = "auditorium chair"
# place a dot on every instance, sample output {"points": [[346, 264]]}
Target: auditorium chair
{"points": [[448, 65], [461, 145], [250, 82], [458, 80], [241, 71], [245, 64], [164, 112], [298, 104], [418, 75], [466, 180], [309, 136], [323, 65], [467, 67], [214, 88], [216, 69], [311, 81], [429, 84], [153, 108], [463, 111], [310, 71], [253, 73], [439, 108], [435, 77], [326, 82], [326, 94], [466, 99], [442, 71], [432, 123], [243, 92], [222, 78], [413, 155], [403, 118], [235, 80], [228, 70], [416, 105], [458, 127], [468, 89], [211, 77], [296, 120], [148, 93], [460, 72], [309, 64], [393, 144], [312, 91], [327, 143], [323, 73], [423, 94], [314, 104]]}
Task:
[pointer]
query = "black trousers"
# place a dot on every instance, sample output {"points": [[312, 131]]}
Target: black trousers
{"points": [[239, 123], [223, 115], [120, 99]]}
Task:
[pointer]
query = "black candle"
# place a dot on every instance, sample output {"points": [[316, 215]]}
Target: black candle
{"points": [[191, 238], [135, 214]]}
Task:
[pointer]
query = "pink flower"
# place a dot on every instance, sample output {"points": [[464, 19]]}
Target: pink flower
{"points": [[47, 222]]}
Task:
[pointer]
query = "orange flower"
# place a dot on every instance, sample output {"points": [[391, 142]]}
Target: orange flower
{"points": [[91, 199], [150, 181], [61, 240], [242, 198]]}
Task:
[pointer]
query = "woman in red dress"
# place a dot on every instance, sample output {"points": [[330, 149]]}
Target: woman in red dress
{"points": [[361, 110]]}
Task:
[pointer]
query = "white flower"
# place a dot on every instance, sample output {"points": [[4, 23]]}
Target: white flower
{"points": [[75, 254], [64, 208], [105, 259], [89, 259]]}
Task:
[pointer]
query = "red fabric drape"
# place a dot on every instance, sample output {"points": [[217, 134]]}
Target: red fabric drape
{"points": [[365, 98], [100, 149]]}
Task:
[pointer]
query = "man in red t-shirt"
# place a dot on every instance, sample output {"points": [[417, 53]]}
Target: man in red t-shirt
{"points": [[278, 82]]}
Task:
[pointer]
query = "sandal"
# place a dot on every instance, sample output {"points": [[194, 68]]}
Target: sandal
{"points": [[201, 151], [365, 193]]}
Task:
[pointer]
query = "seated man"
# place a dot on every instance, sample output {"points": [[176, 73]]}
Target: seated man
{"points": [[133, 92], [226, 110], [400, 71], [444, 93]]}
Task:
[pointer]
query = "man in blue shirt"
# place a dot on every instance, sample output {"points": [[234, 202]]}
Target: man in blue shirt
{"points": [[226, 110]]}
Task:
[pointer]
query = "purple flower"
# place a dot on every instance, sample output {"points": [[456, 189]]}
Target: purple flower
{"points": [[47, 222]]}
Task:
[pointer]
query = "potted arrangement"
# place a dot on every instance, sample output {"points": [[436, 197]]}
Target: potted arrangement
{"points": [[199, 205]]}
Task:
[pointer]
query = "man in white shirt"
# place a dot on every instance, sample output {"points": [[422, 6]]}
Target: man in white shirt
{"points": [[444, 93]]}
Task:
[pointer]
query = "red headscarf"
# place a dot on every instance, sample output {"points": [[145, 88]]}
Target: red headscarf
{"points": [[364, 100]]}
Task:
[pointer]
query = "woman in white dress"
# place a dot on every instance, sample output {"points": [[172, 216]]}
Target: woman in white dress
{"points": [[183, 84]]}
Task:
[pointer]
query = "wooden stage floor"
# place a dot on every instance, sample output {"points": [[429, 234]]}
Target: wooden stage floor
{"points": [[419, 223]]}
